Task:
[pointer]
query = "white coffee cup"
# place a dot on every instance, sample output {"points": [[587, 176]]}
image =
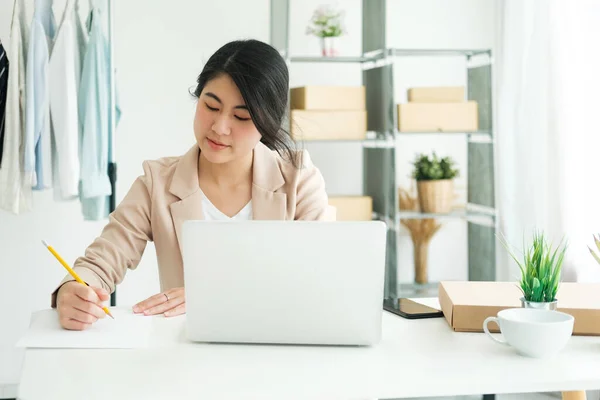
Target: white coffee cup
{"points": [[532, 332]]}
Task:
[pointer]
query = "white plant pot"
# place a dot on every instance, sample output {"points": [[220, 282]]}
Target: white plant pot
{"points": [[329, 46], [551, 305]]}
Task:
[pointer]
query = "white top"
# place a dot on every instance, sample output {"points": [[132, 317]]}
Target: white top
{"points": [[212, 213], [416, 358], [64, 74]]}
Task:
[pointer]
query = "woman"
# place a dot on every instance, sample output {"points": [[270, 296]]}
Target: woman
{"points": [[241, 167]]}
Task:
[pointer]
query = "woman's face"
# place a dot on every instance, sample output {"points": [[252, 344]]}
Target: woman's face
{"points": [[222, 125]]}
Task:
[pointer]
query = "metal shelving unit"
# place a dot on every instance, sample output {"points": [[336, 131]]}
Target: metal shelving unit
{"points": [[379, 149]]}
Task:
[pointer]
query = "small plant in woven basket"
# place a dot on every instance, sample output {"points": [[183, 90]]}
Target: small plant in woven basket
{"points": [[541, 267], [435, 185]]}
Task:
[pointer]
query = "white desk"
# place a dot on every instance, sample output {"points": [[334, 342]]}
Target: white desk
{"points": [[416, 358]]}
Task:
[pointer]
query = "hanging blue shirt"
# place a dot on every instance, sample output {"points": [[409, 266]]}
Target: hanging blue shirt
{"points": [[38, 151], [94, 114]]}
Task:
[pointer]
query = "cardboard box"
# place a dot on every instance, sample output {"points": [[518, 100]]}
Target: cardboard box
{"points": [[438, 117], [328, 125], [328, 98], [352, 208], [467, 304], [441, 94]]}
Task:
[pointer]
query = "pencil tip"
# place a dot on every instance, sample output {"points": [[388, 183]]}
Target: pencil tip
{"points": [[110, 315], [44, 243]]}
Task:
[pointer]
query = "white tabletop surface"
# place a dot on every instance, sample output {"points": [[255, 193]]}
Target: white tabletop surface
{"points": [[416, 358]]}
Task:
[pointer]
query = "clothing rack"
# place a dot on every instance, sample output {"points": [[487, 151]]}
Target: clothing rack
{"points": [[112, 164]]}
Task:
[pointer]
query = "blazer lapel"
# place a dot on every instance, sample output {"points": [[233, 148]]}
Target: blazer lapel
{"points": [[189, 208], [267, 203], [185, 186]]}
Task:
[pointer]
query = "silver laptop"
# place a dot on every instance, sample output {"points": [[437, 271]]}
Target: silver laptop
{"points": [[284, 282]]}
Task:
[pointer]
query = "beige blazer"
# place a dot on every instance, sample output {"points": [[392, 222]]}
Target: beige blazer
{"points": [[168, 193]]}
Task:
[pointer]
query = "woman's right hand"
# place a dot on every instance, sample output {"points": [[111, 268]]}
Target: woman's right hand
{"points": [[79, 306]]}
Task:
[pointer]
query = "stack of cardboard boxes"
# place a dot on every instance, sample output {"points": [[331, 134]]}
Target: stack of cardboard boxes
{"points": [[328, 113], [333, 113], [437, 109]]}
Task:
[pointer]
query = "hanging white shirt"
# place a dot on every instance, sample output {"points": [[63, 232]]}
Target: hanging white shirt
{"points": [[15, 185], [212, 213], [64, 74]]}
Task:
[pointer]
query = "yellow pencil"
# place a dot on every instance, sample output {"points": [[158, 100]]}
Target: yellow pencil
{"points": [[73, 273]]}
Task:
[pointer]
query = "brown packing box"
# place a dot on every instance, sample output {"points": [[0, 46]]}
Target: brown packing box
{"points": [[438, 117], [328, 125], [467, 304], [352, 208], [327, 98], [442, 94]]}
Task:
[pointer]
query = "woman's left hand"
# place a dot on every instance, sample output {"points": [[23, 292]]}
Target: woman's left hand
{"points": [[169, 303]]}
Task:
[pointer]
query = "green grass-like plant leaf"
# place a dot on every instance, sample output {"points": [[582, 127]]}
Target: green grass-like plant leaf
{"points": [[541, 267], [597, 243]]}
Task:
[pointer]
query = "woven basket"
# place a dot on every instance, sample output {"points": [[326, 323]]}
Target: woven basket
{"points": [[436, 196]]}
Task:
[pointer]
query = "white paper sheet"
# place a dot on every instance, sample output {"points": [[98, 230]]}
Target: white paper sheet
{"points": [[432, 302], [126, 331]]}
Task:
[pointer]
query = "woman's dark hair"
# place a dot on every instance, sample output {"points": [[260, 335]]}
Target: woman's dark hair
{"points": [[262, 77]]}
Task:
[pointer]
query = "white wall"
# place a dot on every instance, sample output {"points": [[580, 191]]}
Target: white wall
{"points": [[160, 49]]}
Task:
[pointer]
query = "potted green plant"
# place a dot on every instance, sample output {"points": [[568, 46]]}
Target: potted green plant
{"points": [[435, 184], [327, 24], [541, 268]]}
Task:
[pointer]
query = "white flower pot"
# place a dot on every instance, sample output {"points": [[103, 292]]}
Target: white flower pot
{"points": [[329, 46], [553, 305]]}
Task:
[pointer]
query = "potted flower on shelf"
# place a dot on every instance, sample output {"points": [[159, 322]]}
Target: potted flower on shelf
{"points": [[435, 185], [327, 24], [540, 272]]}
